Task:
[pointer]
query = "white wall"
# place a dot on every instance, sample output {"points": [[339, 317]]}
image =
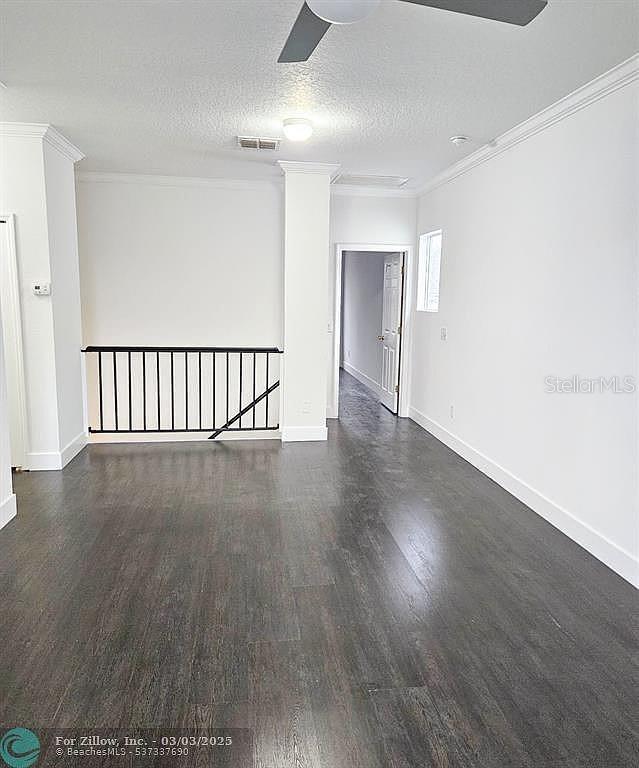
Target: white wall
{"points": [[23, 194], [384, 219], [65, 297], [358, 218], [36, 185], [362, 305], [180, 262], [539, 278], [7, 497]]}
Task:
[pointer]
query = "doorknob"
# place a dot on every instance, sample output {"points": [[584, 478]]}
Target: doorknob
{"points": [[380, 338]]}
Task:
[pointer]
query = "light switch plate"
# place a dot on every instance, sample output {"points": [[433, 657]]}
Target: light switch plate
{"points": [[42, 289]]}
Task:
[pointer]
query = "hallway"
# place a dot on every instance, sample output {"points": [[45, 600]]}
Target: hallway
{"points": [[368, 602]]}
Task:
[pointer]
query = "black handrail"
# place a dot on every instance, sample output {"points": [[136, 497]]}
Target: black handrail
{"points": [[239, 363], [91, 348]]}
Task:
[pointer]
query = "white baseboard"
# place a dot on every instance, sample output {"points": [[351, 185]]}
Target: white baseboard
{"points": [[8, 509], [52, 460], [371, 384], [302, 434], [615, 557], [183, 437], [72, 449], [39, 461]]}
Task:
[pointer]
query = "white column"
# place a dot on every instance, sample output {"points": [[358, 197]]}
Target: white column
{"points": [[37, 185], [306, 253]]}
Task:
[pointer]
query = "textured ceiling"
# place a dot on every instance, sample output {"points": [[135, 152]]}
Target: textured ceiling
{"points": [[164, 87]]}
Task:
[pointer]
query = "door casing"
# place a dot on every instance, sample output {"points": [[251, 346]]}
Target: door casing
{"points": [[12, 317], [407, 320]]}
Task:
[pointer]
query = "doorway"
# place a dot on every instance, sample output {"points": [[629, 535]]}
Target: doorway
{"points": [[372, 327], [10, 316]]}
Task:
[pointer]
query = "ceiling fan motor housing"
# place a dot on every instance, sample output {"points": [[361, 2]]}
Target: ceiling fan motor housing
{"points": [[342, 11]]}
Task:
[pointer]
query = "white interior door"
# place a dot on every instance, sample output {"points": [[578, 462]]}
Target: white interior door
{"points": [[391, 330], [12, 342]]}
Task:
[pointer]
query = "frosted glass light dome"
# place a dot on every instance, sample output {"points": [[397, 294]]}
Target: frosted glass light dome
{"points": [[297, 128]]}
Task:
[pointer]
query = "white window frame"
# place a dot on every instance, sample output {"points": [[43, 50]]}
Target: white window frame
{"points": [[425, 273]]}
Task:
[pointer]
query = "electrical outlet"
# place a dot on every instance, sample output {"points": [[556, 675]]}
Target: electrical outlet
{"points": [[306, 406], [452, 411], [444, 334]]}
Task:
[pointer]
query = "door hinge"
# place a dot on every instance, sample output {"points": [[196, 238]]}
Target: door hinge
{"points": [[399, 329], [396, 387]]}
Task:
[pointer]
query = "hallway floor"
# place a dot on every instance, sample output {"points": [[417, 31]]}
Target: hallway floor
{"points": [[370, 602]]}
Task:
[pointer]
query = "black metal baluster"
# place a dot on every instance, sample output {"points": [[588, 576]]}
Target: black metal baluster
{"points": [[144, 390], [128, 355], [214, 392], [254, 407], [115, 388], [227, 386], [157, 368], [267, 399], [240, 408], [186, 389], [199, 387], [172, 395], [100, 385]]}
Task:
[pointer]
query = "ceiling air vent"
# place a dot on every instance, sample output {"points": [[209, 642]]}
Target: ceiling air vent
{"points": [[257, 142], [361, 180]]}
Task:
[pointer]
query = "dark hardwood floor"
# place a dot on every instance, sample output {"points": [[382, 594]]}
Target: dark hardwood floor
{"points": [[370, 602]]}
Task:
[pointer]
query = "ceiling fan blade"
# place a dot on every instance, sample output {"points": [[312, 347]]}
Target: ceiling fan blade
{"points": [[307, 31], [519, 12]]}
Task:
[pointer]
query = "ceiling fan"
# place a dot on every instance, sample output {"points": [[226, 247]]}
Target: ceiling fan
{"points": [[317, 16]]}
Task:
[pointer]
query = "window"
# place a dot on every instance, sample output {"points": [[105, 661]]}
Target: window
{"points": [[430, 254]]}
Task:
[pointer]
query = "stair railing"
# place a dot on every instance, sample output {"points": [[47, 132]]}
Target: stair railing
{"points": [[182, 389]]}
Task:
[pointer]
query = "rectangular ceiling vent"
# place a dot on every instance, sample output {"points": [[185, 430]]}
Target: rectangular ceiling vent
{"points": [[258, 142], [361, 180]]}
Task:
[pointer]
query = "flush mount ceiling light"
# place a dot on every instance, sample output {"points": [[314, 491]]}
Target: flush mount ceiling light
{"points": [[297, 128], [457, 140]]}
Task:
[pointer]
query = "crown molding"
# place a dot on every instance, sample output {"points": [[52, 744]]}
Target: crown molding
{"points": [[26, 130], [623, 74], [294, 166], [149, 179], [352, 190], [45, 132], [63, 145]]}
